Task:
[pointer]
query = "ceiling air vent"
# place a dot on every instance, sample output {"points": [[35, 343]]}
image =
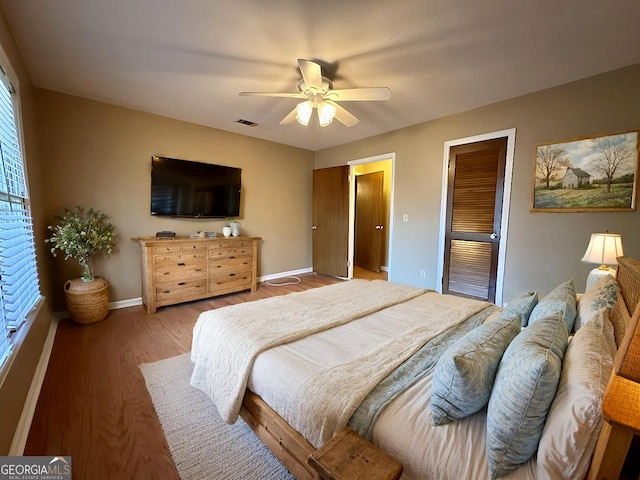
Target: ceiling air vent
{"points": [[247, 122]]}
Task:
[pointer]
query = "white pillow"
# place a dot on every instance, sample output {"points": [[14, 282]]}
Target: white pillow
{"points": [[602, 294], [575, 418]]}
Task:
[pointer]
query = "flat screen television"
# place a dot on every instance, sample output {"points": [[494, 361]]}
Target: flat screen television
{"points": [[183, 188]]}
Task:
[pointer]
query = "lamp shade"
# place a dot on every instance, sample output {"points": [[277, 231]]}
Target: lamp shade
{"points": [[303, 112], [326, 112], [603, 249]]}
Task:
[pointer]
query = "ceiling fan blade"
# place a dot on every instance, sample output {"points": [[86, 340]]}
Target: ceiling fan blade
{"points": [[311, 73], [273, 94], [290, 118], [360, 94], [343, 116]]}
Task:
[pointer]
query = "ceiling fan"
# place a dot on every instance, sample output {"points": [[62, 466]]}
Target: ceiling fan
{"points": [[317, 92]]}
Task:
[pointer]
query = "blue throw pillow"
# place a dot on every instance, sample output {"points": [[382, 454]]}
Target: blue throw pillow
{"points": [[524, 388], [561, 299], [522, 305], [464, 374]]}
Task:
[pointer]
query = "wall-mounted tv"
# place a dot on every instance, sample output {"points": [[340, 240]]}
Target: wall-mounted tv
{"points": [[183, 188]]}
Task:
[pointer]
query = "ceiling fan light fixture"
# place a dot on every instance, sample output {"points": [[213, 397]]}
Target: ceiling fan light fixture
{"points": [[303, 112], [326, 112]]}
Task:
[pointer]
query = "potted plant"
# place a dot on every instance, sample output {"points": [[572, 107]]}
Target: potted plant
{"points": [[81, 234]]}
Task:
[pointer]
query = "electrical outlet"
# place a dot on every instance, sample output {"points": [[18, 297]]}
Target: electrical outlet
{"points": [[405, 217], [423, 274]]}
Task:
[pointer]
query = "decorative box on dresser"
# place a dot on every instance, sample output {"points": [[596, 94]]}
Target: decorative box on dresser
{"points": [[183, 269]]}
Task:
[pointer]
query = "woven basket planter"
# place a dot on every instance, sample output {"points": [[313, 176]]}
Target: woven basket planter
{"points": [[87, 302]]}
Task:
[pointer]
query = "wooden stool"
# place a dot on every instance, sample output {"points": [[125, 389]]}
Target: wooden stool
{"points": [[348, 456]]}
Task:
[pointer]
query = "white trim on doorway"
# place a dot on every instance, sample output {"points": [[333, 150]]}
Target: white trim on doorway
{"points": [[506, 201], [352, 206]]}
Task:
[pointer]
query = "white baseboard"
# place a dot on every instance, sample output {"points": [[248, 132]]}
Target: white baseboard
{"points": [[24, 424], [285, 274], [132, 302]]}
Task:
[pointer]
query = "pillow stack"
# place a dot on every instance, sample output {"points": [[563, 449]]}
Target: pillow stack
{"points": [[527, 380], [524, 388]]}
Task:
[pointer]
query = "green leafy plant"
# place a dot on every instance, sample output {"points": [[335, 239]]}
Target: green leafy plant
{"points": [[81, 234]]}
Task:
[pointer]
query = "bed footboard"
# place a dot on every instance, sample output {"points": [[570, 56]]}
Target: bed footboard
{"points": [[286, 444]]}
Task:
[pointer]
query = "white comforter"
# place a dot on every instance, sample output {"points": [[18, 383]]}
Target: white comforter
{"points": [[226, 341]]}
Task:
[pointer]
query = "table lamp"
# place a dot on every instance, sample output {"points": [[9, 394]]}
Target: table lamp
{"points": [[603, 249]]}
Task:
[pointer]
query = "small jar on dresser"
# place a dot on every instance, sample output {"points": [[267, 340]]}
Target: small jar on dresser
{"points": [[182, 269]]}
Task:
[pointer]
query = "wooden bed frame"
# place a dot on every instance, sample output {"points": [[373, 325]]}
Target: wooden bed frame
{"points": [[621, 405]]}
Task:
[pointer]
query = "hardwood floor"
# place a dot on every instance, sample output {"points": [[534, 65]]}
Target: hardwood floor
{"points": [[94, 405], [368, 274]]}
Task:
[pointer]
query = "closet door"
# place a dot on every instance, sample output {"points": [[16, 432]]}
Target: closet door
{"points": [[474, 214], [331, 221]]}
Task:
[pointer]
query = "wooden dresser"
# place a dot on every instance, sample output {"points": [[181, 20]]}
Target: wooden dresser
{"points": [[184, 269]]}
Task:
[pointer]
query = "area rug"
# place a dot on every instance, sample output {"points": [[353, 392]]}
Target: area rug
{"points": [[202, 445]]}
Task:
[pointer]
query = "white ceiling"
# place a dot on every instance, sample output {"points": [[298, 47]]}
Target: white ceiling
{"points": [[189, 59]]}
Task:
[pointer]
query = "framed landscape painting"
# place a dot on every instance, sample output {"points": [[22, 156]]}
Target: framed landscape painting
{"points": [[585, 175]]}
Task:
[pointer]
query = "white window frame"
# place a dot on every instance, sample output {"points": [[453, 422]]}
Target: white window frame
{"points": [[12, 336]]}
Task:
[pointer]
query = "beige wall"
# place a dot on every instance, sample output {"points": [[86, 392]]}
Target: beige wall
{"points": [[17, 379], [543, 249], [99, 156]]}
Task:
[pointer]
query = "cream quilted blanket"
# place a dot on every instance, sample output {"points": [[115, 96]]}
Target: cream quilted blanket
{"points": [[227, 340]]}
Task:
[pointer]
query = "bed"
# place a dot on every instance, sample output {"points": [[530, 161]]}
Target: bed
{"points": [[385, 360]]}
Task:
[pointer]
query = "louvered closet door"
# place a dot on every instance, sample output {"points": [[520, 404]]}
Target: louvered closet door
{"points": [[474, 214]]}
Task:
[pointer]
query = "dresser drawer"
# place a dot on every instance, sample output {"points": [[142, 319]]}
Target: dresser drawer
{"points": [[180, 259], [230, 253], [230, 265], [168, 248], [223, 244], [181, 289], [194, 247], [169, 273], [230, 281]]}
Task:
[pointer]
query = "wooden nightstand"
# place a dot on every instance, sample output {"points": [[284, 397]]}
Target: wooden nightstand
{"points": [[348, 456]]}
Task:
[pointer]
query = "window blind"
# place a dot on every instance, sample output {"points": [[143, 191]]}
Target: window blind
{"points": [[19, 286]]}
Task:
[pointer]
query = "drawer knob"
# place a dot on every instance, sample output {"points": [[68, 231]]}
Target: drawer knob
{"points": [[181, 264]]}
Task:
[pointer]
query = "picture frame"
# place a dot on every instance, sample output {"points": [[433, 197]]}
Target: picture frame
{"points": [[590, 174]]}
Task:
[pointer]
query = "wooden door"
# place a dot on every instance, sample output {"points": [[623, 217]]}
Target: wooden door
{"points": [[474, 215], [331, 221], [369, 221]]}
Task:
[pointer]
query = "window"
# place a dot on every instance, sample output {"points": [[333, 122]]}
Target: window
{"points": [[19, 287]]}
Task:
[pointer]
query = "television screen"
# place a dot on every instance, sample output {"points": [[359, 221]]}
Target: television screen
{"points": [[182, 188]]}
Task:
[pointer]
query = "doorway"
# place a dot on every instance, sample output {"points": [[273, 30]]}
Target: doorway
{"points": [[370, 216], [474, 217]]}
